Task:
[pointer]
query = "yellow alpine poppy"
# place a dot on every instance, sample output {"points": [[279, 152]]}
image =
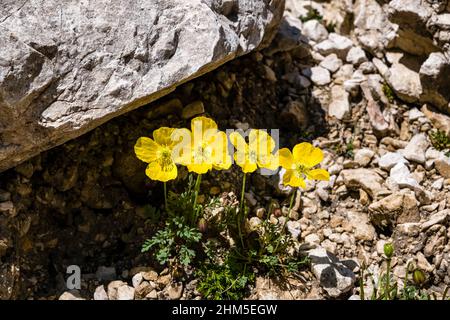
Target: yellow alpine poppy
{"points": [[157, 152], [207, 148], [300, 163], [257, 153]]}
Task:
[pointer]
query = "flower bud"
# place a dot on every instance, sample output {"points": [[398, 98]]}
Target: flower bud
{"points": [[202, 225], [388, 250], [418, 277]]}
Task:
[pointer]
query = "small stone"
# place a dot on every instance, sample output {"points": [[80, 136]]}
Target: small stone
{"points": [[153, 295], [100, 293], [270, 74], [8, 208], [314, 30], [415, 150], [71, 295], [335, 43], [312, 238], [143, 289], [175, 291], [401, 176], [254, 223], [364, 156], [399, 207], [442, 165], [367, 179], [438, 184], [363, 230], [356, 56], [380, 247], [334, 277], [438, 218], [339, 106], [422, 263], [106, 273], [331, 62], [193, 109], [163, 281], [150, 275], [390, 159], [113, 288], [294, 228], [410, 229], [367, 67], [318, 75], [137, 279], [415, 114], [125, 292]]}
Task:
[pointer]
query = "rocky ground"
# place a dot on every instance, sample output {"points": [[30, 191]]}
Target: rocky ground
{"points": [[84, 203]]}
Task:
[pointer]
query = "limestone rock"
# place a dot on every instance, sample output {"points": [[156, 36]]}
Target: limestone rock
{"points": [[340, 105], [331, 62], [416, 148], [400, 207], [68, 68], [434, 78], [363, 156], [335, 43], [71, 295], [366, 179], [390, 159], [334, 277], [318, 75], [356, 56], [314, 30], [401, 176]]}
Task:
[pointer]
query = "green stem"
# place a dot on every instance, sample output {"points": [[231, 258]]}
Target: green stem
{"points": [[241, 215], [361, 283], [387, 294], [292, 202], [196, 191], [165, 195]]}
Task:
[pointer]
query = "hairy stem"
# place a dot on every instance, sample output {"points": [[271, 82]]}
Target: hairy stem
{"points": [[196, 191], [387, 294]]}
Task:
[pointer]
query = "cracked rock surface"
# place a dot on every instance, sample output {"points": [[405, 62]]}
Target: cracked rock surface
{"points": [[67, 67]]}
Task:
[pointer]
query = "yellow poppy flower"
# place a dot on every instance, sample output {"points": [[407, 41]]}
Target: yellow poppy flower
{"points": [[157, 152], [257, 153], [207, 148], [300, 163]]}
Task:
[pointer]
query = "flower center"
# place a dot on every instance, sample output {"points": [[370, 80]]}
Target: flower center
{"points": [[165, 160], [302, 171], [253, 157], [202, 154]]}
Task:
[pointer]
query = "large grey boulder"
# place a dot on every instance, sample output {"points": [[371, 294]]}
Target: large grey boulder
{"points": [[68, 66]]}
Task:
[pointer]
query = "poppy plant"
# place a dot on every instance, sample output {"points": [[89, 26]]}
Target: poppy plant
{"points": [[157, 152], [249, 156]]}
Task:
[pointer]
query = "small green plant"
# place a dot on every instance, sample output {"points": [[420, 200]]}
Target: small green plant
{"points": [[313, 14], [388, 92], [440, 140], [387, 289], [223, 282], [222, 277], [174, 243], [345, 150], [331, 27], [270, 252]]}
